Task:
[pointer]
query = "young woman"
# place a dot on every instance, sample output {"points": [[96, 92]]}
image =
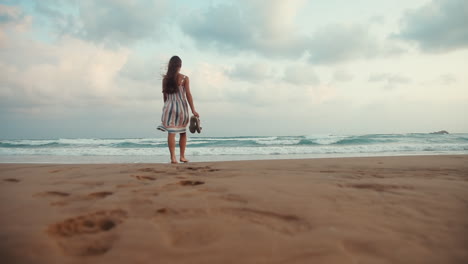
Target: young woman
{"points": [[175, 113]]}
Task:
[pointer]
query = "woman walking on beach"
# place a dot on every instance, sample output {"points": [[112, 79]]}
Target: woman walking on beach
{"points": [[175, 113]]}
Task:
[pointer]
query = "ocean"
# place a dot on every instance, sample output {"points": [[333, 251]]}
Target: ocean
{"points": [[154, 150]]}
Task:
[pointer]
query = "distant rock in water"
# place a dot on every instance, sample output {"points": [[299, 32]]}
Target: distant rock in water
{"points": [[442, 132]]}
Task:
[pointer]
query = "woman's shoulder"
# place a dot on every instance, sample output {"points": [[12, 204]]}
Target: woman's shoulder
{"points": [[183, 78]]}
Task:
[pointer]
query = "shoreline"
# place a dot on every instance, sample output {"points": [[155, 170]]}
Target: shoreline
{"points": [[386, 209], [201, 159]]}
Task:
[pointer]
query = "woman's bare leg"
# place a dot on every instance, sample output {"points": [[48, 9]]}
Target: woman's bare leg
{"points": [[172, 143], [182, 145]]}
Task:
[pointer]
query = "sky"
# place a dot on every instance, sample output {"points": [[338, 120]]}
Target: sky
{"points": [[92, 68]]}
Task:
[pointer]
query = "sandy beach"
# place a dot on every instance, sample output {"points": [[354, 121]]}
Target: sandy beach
{"points": [[410, 209]]}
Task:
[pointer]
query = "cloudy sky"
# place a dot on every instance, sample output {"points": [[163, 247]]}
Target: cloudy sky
{"points": [[92, 68]]}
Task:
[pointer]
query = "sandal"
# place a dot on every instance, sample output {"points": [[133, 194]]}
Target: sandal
{"points": [[194, 124], [198, 127]]}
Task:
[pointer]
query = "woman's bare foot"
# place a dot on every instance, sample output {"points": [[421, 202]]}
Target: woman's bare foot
{"points": [[184, 160], [174, 160]]}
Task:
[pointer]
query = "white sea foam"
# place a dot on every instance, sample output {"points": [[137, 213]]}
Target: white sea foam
{"points": [[212, 148]]}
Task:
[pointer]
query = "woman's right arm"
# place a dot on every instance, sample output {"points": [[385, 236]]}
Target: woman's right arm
{"points": [[189, 96]]}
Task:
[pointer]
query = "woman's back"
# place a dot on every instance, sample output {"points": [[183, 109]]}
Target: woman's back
{"points": [[176, 114], [179, 94]]}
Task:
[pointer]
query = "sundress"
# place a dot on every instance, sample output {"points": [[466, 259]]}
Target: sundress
{"points": [[175, 113]]}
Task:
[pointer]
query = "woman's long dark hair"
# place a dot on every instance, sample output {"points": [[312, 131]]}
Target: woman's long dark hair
{"points": [[170, 79]]}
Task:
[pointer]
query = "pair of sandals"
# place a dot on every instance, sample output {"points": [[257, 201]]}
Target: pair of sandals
{"points": [[195, 124]]}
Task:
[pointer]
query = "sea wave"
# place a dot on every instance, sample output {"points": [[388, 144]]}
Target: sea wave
{"points": [[29, 145], [268, 145]]}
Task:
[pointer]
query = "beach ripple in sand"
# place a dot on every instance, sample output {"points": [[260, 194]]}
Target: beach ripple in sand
{"points": [[86, 235]]}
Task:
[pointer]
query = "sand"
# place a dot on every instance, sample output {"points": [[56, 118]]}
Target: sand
{"points": [[341, 210]]}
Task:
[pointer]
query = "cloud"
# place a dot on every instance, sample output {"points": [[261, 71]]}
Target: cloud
{"points": [[342, 76], [448, 79], [62, 78], [242, 86], [208, 82], [220, 26], [10, 14], [389, 80], [437, 26], [301, 75], [342, 42], [270, 30], [247, 26], [113, 22], [13, 17], [442, 80], [251, 72], [143, 68]]}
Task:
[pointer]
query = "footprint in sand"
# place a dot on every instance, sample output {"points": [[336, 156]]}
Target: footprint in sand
{"points": [[62, 169], [92, 183], [11, 180], [142, 177], [100, 194], [128, 185], [87, 235], [76, 198], [375, 175], [190, 182], [199, 169], [176, 185], [202, 171], [52, 194], [150, 170], [230, 197], [146, 192], [363, 248], [186, 227], [377, 186]]}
